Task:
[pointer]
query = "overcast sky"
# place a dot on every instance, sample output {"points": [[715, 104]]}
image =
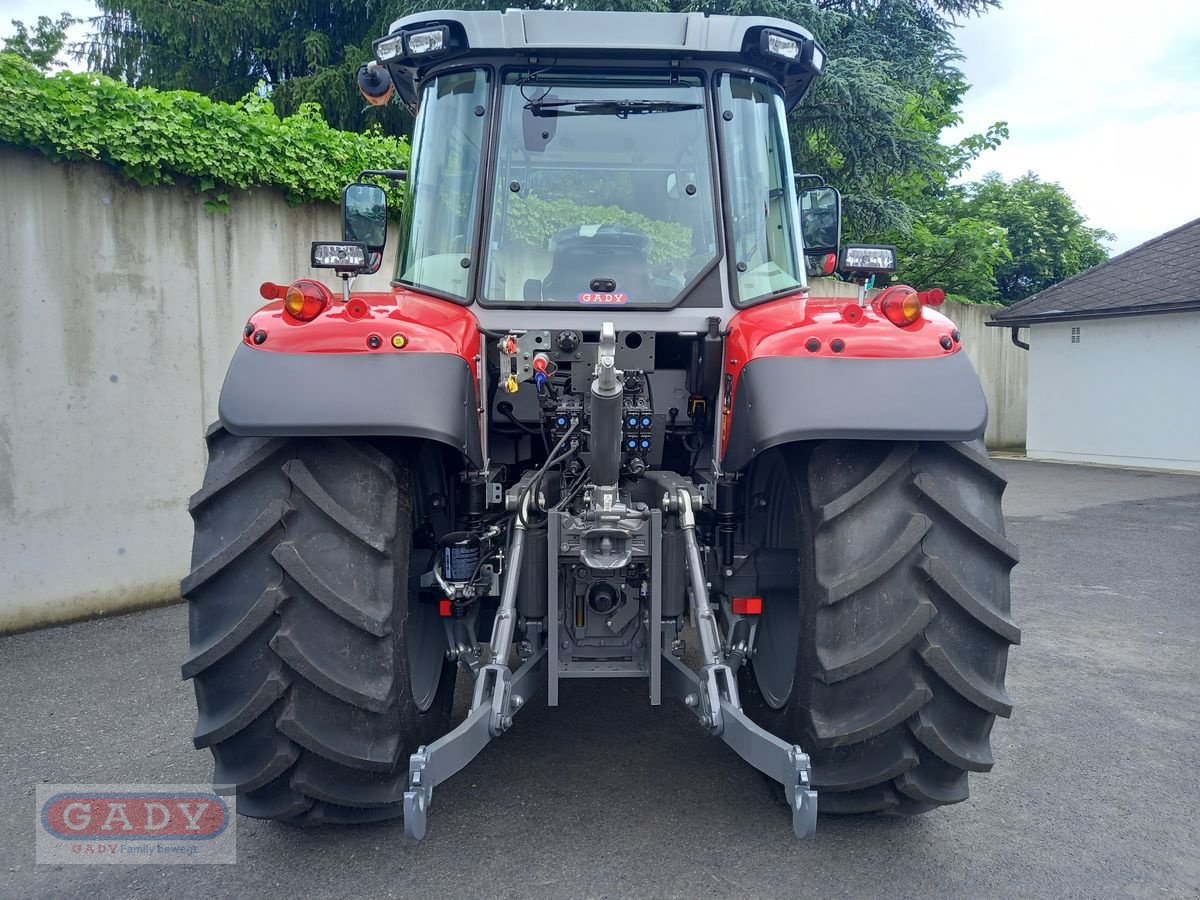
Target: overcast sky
{"points": [[1103, 98]]}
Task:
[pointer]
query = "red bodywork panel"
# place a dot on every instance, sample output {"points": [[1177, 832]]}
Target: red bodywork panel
{"points": [[429, 325], [784, 327]]}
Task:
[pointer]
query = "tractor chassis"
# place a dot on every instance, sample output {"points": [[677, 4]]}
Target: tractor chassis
{"points": [[711, 694]]}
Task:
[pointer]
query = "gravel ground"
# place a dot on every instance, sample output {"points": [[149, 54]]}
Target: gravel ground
{"points": [[1093, 795]]}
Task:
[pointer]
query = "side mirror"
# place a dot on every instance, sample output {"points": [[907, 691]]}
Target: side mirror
{"points": [[364, 215], [821, 219], [374, 261]]}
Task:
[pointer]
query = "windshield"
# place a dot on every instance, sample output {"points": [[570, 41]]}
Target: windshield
{"points": [[603, 190], [439, 219], [762, 192]]}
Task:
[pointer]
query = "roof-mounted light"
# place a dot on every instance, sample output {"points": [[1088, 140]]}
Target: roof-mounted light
{"points": [[419, 44], [814, 57], [428, 41], [781, 46], [792, 49], [389, 47]]}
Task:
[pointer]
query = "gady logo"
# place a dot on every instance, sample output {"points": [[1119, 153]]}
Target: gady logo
{"points": [[134, 816], [134, 824], [602, 297]]}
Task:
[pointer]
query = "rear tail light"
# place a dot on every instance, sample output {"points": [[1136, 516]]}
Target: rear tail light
{"points": [[899, 304], [306, 299], [933, 297]]}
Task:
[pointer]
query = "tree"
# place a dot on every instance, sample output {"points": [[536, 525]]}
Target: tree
{"points": [[42, 46], [1047, 236], [871, 126], [300, 50], [883, 52], [948, 248], [999, 241]]}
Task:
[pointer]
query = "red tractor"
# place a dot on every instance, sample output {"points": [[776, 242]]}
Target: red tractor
{"points": [[599, 413]]}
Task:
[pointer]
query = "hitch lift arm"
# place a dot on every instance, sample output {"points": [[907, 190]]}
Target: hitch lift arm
{"points": [[713, 695], [499, 694]]}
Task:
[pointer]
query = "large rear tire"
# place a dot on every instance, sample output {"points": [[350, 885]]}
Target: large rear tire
{"points": [[316, 673], [888, 664]]}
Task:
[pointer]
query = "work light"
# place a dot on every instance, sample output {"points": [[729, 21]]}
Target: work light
{"points": [[429, 40], [781, 45], [814, 57], [868, 258], [389, 47], [339, 255]]}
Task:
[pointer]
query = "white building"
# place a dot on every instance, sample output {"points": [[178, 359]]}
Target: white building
{"points": [[1114, 367]]}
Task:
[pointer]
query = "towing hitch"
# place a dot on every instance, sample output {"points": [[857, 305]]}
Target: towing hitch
{"points": [[712, 695]]}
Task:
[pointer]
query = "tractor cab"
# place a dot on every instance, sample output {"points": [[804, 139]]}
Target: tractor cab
{"points": [[554, 169]]}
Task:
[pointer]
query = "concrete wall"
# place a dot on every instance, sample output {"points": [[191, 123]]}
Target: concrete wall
{"points": [[1002, 366], [1127, 393], [121, 308]]}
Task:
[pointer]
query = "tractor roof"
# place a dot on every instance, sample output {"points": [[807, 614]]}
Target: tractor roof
{"points": [[598, 36]]}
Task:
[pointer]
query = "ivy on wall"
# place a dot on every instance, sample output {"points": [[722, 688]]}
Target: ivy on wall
{"points": [[168, 137]]}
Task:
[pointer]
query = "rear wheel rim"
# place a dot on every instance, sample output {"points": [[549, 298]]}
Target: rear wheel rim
{"points": [[773, 526], [424, 639]]}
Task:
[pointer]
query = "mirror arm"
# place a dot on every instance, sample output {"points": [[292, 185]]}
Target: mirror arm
{"points": [[799, 178], [393, 174]]}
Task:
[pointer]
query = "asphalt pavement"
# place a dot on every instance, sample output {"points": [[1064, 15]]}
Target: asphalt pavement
{"points": [[1095, 791]]}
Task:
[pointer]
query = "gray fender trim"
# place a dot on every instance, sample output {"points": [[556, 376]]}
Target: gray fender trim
{"points": [[780, 399], [419, 395]]}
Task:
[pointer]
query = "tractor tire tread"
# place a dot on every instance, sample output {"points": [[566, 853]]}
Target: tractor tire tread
{"points": [[226, 641], [296, 647], [907, 605]]}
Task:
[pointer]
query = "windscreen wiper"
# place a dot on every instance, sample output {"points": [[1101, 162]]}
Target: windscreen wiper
{"points": [[620, 108]]}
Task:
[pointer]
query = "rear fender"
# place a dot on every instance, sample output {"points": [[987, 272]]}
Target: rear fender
{"points": [[343, 373], [800, 369]]}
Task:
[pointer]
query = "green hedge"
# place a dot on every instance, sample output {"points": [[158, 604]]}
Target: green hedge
{"points": [[535, 221], [165, 137]]}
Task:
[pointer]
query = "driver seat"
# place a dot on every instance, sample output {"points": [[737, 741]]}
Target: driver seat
{"points": [[584, 253]]}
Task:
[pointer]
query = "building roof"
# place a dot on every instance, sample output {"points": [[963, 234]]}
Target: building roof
{"points": [[1159, 276]]}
